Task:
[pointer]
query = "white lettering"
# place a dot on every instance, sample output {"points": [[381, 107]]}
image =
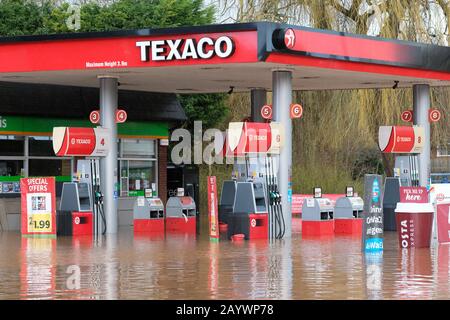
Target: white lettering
{"points": [[228, 45], [205, 48], [3, 123], [173, 45], [145, 46], [189, 50], [157, 49], [201, 46]]}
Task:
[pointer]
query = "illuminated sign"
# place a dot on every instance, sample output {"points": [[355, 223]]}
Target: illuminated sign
{"points": [[183, 49]]}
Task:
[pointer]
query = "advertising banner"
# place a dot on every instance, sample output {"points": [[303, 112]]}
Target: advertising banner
{"points": [[213, 209], [38, 205], [373, 213], [413, 194]]}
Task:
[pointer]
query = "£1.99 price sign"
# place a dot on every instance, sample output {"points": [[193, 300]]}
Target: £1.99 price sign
{"points": [[38, 206]]}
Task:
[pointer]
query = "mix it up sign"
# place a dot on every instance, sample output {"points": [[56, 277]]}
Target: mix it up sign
{"points": [[373, 213]]}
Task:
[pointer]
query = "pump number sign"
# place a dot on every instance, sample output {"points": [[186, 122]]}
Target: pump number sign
{"points": [[266, 112], [38, 206], [296, 111]]}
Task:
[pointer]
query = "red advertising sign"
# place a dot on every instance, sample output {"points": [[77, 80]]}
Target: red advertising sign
{"points": [[401, 139], [407, 116], [94, 117], [213, 209], [266, 112], [38, 204], [121, 116], [434, 115], [443, 222], [413, 194], [296, 111], [80, 141]]}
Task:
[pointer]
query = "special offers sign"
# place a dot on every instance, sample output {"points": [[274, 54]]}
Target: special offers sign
{"points": [[38, 205]]}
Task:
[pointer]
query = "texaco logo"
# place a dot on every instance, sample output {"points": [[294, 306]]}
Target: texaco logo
{"points": [[253, 223], [77, 220], [72, 141], [289, 38]]}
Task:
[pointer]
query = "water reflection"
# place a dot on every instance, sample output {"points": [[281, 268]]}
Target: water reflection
{"points": [[37, 268], [185, 266]]}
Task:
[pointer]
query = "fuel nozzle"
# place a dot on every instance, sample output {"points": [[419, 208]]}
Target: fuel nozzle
{"points": [[98, 197]]}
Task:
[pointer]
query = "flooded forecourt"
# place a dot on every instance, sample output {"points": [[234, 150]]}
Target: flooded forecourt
{"points": [[180, 266]]}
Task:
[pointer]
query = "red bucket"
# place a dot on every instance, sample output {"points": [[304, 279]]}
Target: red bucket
{"points": [[238, 237], [223, 227]]}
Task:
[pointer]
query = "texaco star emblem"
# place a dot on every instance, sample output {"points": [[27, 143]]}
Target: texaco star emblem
{"points": [[289, 38]]}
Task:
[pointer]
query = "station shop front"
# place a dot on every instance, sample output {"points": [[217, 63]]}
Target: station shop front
{"points": [[26, 151]]}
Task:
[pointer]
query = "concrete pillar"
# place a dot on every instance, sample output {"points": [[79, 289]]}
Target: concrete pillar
{"points": [[108, 164], [282, 99], [258, 98], [421, 105]]}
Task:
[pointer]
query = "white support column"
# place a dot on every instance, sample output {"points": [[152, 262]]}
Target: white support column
{"points": [[282, 99], [421, 105], [108, 164]]}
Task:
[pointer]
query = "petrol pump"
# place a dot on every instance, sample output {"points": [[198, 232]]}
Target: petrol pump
{"points": [[253, 191], [81, 206], [407, 141], [148, 213], [348, 212], [317, 215], [181, 213]]}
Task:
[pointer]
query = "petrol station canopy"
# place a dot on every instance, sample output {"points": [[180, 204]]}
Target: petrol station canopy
{"points": [[214, 58]]}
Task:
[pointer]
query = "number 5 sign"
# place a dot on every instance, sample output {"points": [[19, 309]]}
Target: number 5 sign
{"points": [[38, 205]]}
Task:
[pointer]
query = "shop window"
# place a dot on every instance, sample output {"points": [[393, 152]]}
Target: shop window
{"points": [[443, 151], [137, 148], [12, 145], [49, 167], [10, 168], [10, 173], [136, 176], [41, 147]]}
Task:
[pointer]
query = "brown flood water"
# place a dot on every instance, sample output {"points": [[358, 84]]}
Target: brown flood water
{"points": [[185, 267]]}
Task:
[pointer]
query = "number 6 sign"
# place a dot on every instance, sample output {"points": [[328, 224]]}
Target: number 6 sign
{"points": [[296, 111]]}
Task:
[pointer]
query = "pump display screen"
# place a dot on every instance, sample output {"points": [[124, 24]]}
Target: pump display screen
{"points": [[83, 190]]}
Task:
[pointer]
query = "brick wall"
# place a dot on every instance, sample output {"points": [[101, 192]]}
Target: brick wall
{"points": [[162, 172]]}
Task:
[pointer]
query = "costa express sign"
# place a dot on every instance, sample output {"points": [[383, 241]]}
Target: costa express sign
{"points": [[80, 141], [401, 139]]}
